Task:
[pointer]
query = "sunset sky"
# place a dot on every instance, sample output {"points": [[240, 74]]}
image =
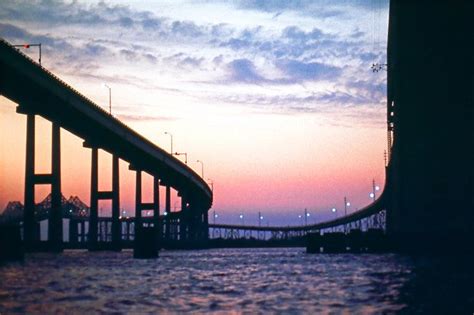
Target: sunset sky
{"points": [[276, 97]]}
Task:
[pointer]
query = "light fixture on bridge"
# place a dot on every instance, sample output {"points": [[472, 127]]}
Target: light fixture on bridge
{"points": [[241, 216], [214, 216], [346, 204], [26, 46], [185, 156], [202, 168], [211, 182], [306, 216], [260, 218], [110, 97], [171, 137], [165, 214], [374, 189]]}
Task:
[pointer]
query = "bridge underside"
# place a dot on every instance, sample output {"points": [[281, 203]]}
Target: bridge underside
{"points": [[430, 64]]}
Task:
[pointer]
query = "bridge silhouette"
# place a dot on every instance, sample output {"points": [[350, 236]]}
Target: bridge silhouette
{"points": [[427, 203], [66, 108]]}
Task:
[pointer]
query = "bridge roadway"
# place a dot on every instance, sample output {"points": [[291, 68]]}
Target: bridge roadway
{"points": [[37, 91], [368, 211], [374, 208]]}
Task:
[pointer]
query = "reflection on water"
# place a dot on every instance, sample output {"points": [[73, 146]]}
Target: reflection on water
{"points": [[237, 280]]}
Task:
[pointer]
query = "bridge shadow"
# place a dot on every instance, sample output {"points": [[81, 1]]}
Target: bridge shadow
{"points": [[437, 285]]}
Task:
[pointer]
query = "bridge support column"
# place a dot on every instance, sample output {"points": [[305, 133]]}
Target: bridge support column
{"points": [[431, 176], [97, 195], [93, 218], [156, 209], [83, 231], [168, 213], [184, 226], [205, 226], [55, 227], [29, 221], [146, 240], [73, 231], [138, 202], [116, 230]]}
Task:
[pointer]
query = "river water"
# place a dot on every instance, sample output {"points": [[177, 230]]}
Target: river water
{"points": [[282, 280]]}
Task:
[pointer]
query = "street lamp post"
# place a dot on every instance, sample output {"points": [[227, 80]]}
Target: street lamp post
{"points": [[185, 156], [171, 137], [214, 216], [306, 216], [211, 182], [334, 210], [346, 204], [374, 189], [241, 216], [110, 97], [260, 218], [202, 168], [31, 45]]}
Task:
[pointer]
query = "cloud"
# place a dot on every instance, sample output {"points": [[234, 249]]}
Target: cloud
{"points": [[151, 23], [298, 71], [186, 29], [142, 118], [294, 33], [336, 106], [191, 62], [311, 102], [243, 71], [293, 72], [237, 43], [184, 61], [11, 31], [315, 8], [150, 58], [319, 8], [95, 50], [273, 55], [130, 55]]}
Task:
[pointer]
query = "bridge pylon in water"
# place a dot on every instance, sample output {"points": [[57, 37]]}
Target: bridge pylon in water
{"points": [[430, 202]]}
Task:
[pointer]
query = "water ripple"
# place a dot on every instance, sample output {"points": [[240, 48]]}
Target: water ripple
{"points": [[227, 281]]}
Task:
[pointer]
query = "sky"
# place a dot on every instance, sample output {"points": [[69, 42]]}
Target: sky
{"points": [[277, 98]]}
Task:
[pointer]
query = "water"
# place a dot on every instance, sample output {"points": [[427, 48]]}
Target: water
{"points": [[235, 281]]}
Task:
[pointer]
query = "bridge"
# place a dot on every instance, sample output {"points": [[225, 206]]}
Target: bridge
{"points": [[39, 92], [427, 203], [76, 216]]}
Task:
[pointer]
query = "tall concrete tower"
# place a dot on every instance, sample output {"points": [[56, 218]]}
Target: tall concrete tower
{"points": [[431, 96]]}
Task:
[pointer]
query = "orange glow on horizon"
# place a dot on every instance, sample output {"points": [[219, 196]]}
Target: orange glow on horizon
{"points": [[285, 164]]}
